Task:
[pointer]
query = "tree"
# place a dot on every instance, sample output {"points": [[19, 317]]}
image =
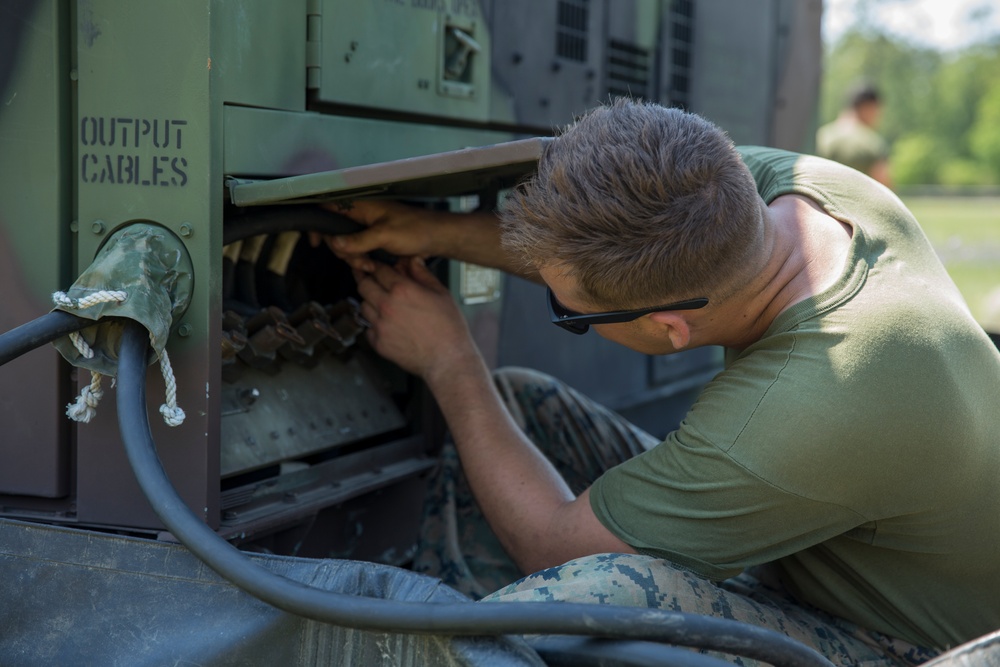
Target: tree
{"points": [[941, 112], [984, 136]]}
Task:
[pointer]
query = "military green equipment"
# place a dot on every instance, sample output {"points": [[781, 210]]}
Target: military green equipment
{"points": [[183, 121]]}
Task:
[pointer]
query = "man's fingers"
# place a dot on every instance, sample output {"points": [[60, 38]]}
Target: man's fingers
{"points": [[357, 243], [417, 269], [369, 312], [366, 212], [374, 285]]}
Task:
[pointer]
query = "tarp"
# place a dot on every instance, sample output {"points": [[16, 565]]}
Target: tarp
{"points": [[73, 597]]}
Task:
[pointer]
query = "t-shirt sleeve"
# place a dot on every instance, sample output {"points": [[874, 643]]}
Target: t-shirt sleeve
{"points": [[687, 502], [709, 499]]}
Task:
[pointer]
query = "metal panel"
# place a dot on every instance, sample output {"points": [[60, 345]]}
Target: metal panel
{"points": [[733, 58], [269, 417], [632, 49], [676, 53], [547, 60], [420, 57], [440, 175], [149, 144], [35, 218], [267, 143], [260, 56], [799, 69]]}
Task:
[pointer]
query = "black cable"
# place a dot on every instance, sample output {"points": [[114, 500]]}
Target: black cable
{"points": [[38, 332], [292, 217], [285, 218], [381, 615]]}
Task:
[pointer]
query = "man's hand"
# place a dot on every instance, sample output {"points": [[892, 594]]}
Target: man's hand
{"points": [[411, 231], [406, 231], [414, 320], [416, 324]]}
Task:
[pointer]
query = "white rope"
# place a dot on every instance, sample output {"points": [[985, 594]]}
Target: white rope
{"points": [[172, 414], [85, 407], [104, 296], [81, 345]]}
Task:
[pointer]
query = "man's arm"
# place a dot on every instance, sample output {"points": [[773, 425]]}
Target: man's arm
{"points": [[409, 231], [416, 323]]}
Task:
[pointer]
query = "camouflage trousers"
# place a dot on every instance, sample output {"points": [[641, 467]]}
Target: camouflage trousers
{"points": [[583, 439]]}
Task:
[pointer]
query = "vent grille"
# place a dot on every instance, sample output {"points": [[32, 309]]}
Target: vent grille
{"points": [[681, 40], [629, 70], [571, 29]]}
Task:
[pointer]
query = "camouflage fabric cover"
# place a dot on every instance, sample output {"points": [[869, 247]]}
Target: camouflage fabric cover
{"points": [[152, 267]]}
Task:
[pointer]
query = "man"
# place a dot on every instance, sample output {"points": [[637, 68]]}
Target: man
{"points": [[851, 442], [852, 138]]}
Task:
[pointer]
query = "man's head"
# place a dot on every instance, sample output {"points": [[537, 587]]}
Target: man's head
{"points": [[866, 103], [641, 205]]}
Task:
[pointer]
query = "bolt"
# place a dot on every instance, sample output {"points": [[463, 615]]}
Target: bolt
{"points": [[248, 397], [97, 227], [186, 229], [184, 330]]}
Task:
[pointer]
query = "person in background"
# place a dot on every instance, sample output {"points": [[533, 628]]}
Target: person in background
{"points": [[853, 139]]}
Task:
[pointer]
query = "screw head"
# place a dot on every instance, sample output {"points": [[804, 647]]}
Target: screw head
{"points": [[186, 229], [184, 329], [97, 226]]}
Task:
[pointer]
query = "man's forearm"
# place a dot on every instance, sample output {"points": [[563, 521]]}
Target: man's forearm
{"points": [[475, 238], [518, 490]]}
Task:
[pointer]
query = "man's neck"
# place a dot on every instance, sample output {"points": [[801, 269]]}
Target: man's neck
{"points": [[807, 250]]}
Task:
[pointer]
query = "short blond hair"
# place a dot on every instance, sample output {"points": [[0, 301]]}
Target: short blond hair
{"points": [[640, 203]]}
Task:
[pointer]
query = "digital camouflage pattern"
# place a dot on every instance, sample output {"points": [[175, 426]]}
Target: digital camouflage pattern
{"points": [[583, 439]]}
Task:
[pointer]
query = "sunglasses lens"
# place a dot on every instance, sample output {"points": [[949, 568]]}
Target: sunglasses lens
{"points": [[574, 327]]}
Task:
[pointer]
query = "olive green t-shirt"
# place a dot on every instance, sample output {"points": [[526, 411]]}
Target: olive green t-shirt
{"points": [[856, 444]]}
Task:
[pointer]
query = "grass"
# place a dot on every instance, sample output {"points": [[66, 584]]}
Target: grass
{"points": [[965, 231]]}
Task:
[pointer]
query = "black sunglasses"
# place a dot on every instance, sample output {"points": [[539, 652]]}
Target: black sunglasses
{"points": [[579, 323]]}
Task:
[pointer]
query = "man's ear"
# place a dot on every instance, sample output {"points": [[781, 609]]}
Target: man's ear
{"points": [[676, 327]]}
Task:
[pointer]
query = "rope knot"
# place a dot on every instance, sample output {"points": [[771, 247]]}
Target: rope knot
{"points": [[85, 407]]}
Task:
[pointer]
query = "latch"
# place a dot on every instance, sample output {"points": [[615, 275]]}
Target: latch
{"points": [[459, 49], [458, 57]]}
